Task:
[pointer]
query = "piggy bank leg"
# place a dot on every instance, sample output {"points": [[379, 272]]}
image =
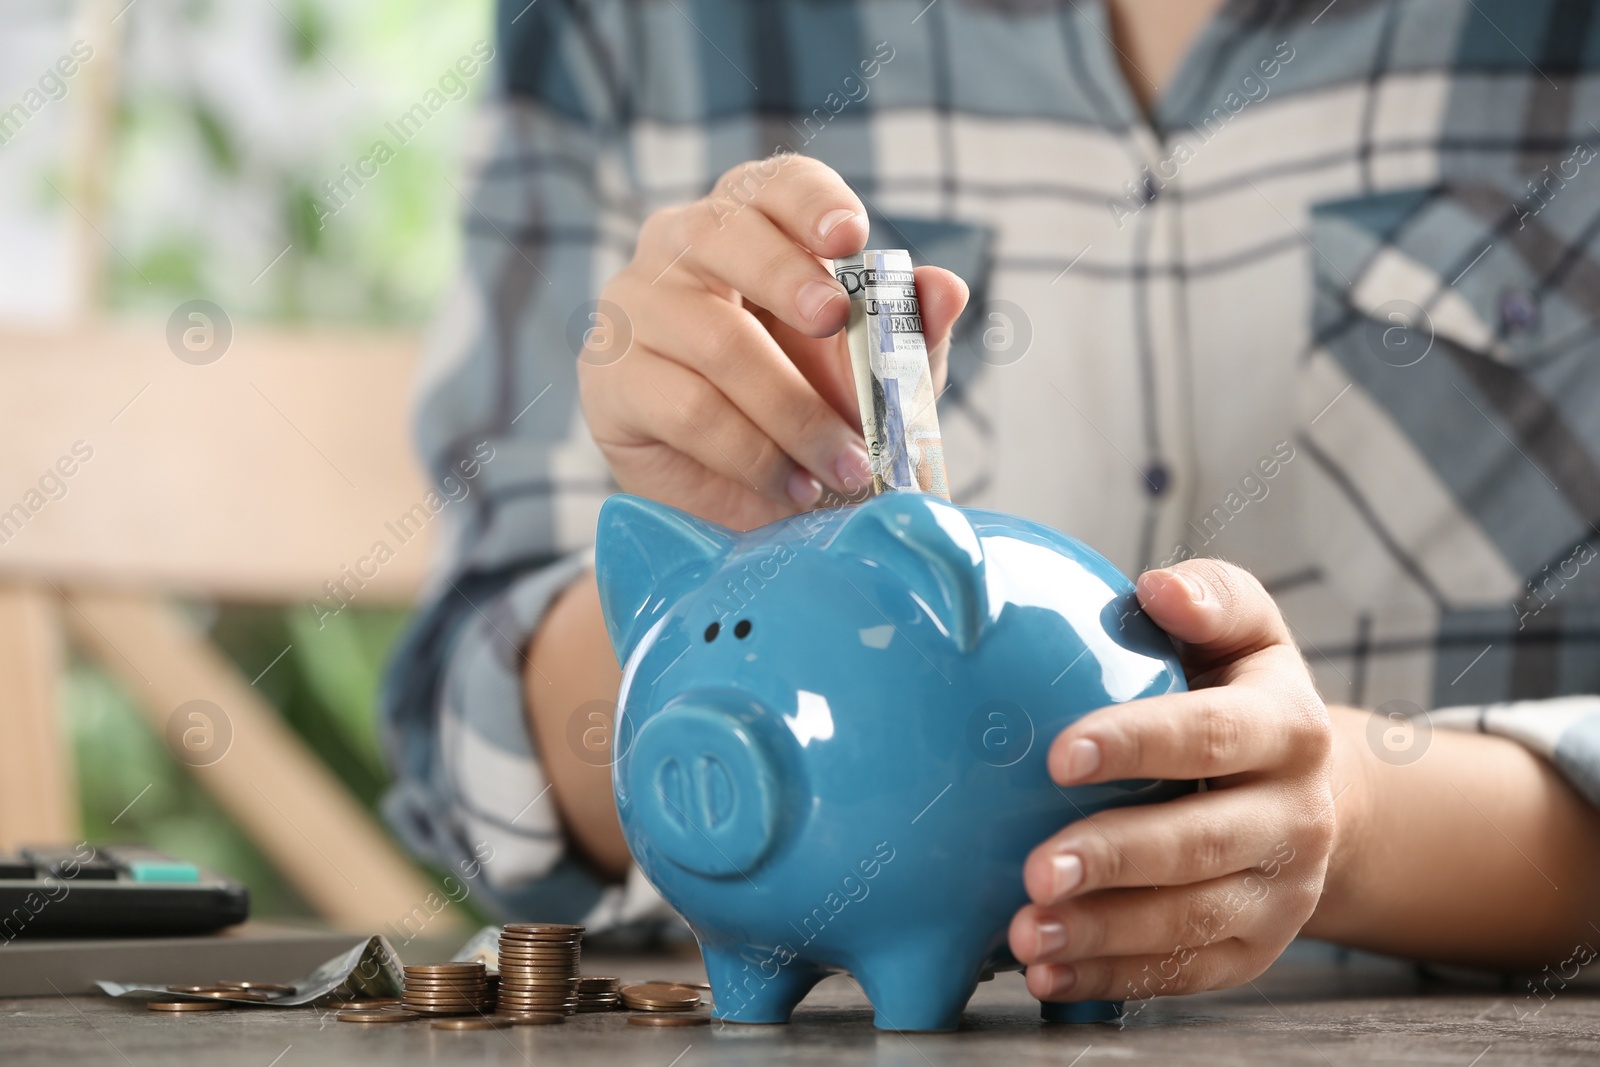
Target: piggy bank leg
{"points": [[763, 992], [922, 988], [1082, 1011]]}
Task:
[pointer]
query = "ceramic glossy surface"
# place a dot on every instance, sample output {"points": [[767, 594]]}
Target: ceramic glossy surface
{"points": [[831, 735]]}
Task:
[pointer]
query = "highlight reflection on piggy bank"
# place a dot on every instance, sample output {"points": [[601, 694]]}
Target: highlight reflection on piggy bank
{"points": [[831, 736]]}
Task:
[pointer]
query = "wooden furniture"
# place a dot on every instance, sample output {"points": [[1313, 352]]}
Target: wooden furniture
{"points": [[258, 477]]}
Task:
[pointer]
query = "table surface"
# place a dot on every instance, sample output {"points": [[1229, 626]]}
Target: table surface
{"points": [[1320, 1012]]}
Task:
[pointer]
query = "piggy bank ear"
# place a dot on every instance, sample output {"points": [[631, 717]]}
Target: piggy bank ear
{"points": [[638, 545], [930, 546]]}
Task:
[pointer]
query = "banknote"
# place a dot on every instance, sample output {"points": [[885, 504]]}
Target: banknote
{"points": [[894, 386]]}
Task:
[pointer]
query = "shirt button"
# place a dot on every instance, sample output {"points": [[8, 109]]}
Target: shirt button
{"points": [[1156, 478], [1518, 311]]}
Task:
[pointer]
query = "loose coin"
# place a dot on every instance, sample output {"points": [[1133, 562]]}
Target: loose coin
{"points": [[659, 997], [489, 1023], [533, 1018], [272, 989], [185, 1005], [382, 1015], [668, 1020], [221, 993]]}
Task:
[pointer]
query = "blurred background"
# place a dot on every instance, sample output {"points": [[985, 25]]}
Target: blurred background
{"points": [[245, 461]]}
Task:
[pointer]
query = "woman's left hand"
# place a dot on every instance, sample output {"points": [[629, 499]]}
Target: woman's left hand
{"points": [[1204, 891]]}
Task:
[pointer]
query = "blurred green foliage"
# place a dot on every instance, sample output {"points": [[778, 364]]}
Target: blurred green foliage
{"points": [[232, 119]]}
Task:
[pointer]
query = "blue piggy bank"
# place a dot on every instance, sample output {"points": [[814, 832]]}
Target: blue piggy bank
{"points": [[831, 735]]}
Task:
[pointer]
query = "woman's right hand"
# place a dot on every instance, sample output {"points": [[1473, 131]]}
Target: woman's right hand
{"points": [[734, 400]]}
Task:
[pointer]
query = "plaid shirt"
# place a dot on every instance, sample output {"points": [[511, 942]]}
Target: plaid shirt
{"points": [[1327, 315]]}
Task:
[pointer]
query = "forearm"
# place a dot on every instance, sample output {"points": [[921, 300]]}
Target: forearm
{"points": [[570, 683], [1478, 853]]}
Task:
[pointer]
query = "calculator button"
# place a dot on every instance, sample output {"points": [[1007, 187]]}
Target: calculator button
{"points": [[163, 871]]}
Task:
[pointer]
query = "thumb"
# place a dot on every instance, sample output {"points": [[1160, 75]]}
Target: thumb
{"points": [[942, 296], [1218, 611]]}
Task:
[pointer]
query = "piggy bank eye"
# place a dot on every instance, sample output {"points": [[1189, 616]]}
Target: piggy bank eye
{"points": [[742, 629], [711, 632]]}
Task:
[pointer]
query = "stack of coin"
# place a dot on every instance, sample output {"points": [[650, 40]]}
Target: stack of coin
{"points": [[659, 996], [539, 968], [447, 989], [598, 994]]}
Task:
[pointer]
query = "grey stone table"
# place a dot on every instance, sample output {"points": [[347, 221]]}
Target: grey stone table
{"points": [[1319, 1010]]}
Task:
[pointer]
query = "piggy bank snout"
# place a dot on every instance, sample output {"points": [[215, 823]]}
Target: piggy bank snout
{"points": [[707, 786]]}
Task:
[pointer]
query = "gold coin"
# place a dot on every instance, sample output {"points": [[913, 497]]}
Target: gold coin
{"points": [[533, 1018], [185, 1005], [272, 989], [668, 1020], [436, 970], [568, 929], [659, 997], [594, 981], [251, 995], [488, 1023], [528, 944], [445, 998], [511, 972], [551, 959], [678, 982], [548, 981], [381, 1015]]}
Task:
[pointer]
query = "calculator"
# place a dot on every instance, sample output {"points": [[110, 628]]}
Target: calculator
{"points": [[112, 891]]}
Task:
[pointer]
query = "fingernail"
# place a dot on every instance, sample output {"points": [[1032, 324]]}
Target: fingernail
{"points": [[803, 489], [813, 297], [1061, 978], [1083, 759], [833, 220], [1066, 872], [1151, 583], [1050, 937], [854, 469]]}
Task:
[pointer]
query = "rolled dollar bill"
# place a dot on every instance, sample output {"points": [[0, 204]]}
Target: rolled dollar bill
{"points": [[894, 385]]}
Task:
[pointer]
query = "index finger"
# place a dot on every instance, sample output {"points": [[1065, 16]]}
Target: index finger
{"points": [[804, 197], [1216, 611], [1202, 733]]}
